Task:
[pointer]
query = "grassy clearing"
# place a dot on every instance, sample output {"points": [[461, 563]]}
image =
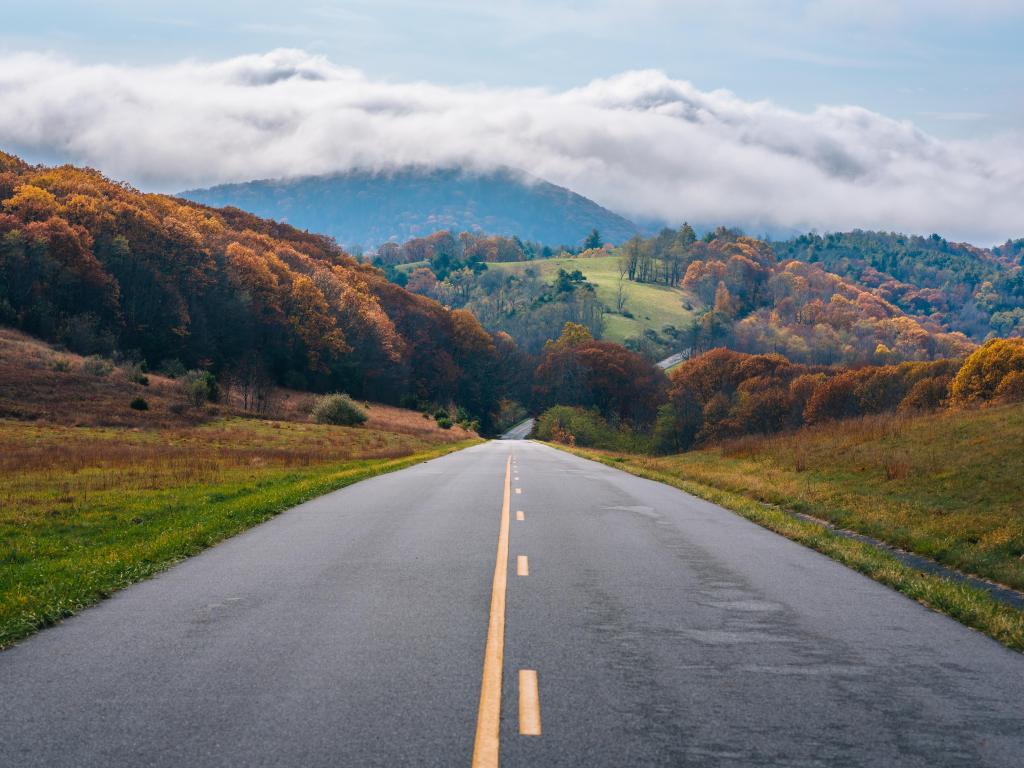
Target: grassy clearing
{"points": [[653, 306], [87, 510], [947, 486]]}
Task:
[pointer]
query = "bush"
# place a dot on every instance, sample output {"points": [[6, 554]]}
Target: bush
{"points": [[97, 366], [139, 404], [983, 372], [338, 409], [1011, 388], [444, 422], [925, 395], [136, 374], [172, 368], [441, 413], [61, 365], [578, 426], [200, 387]]}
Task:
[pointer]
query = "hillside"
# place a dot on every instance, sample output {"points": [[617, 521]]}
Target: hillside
{"points": [[102, 268], [362, 208], [956, 286], [646, 307], [98, 494], [945, 485]]}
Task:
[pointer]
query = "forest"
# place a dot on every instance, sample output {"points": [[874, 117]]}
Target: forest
{"points": [[105, 269], [978, 291], [744, 296], [725, 394]]}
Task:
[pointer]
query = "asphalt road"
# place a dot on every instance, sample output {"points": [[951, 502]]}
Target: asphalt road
{"points": [[663, 630], [671, 360], [520, 431]]}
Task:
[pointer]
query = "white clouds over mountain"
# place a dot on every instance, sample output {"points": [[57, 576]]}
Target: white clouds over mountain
{"points": [[640, 143]]}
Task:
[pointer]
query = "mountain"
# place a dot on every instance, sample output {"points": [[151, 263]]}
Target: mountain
{"points": [[362, 208]]}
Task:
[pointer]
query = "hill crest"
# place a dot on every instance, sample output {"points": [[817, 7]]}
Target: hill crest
{"points": [[367, 208]]}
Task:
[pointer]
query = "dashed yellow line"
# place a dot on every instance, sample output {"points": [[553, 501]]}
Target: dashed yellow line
{"points": [[529, 703], [518, 491], [486, 745], [522, 566], [520, 516]]}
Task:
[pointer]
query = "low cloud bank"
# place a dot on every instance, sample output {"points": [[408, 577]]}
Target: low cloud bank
{"points": [[640, 143]]}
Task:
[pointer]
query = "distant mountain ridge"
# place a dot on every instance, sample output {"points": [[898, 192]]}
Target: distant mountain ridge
{"points": [[368, 208]]}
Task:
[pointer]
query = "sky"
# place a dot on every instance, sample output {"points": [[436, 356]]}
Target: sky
{"points": [[792, 114]]}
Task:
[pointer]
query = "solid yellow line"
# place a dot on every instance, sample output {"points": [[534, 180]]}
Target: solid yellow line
{"points": [[529, 703], [522, 566], [488, 716], [520, 516]]}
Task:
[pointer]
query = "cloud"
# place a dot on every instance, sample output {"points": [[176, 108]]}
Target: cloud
{"points": [[640, 143]]}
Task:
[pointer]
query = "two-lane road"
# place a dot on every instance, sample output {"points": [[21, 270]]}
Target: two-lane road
{"points": [[641, 627]]}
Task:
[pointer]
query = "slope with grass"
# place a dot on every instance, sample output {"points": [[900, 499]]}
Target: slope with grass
{"points": [[95, 494], [651, 306], [946, 485]]}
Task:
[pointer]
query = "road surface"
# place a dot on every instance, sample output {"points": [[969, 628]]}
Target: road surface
{"points": [[671, 360], [648, 628], [520, 431]]}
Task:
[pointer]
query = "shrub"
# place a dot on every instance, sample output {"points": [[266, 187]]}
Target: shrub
{"points": [[441, 413], [139, 404], [61, 364], [200, 387], [338, 409], [97, 366], [578, 426], [983, 372], [172, 368], [1011, 388], [926, 395], [136, 374], [444, 422]]}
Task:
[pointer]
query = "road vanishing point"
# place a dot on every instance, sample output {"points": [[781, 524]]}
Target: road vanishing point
{"points": [[510, 603]]}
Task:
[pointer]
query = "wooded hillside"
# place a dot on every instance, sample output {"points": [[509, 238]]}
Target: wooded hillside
{"points": [[103, 268]]}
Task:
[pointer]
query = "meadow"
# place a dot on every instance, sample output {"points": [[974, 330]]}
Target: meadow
{"points": [[652, 306]]}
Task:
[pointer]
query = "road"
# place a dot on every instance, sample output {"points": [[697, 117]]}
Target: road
{"points": [[520, 431], [671, 360], [364, 628]]}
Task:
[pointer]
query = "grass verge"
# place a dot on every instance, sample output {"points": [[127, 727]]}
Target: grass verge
{"points": [[972, 607], [65, 546]]}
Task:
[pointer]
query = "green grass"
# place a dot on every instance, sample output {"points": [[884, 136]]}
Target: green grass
{"points": [[87, 511], [947, 486], [653, 306]]}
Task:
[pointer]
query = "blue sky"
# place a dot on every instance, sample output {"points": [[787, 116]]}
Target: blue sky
{"points": [[954, 68], [773, 116]]}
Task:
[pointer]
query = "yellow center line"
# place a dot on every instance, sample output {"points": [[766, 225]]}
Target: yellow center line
{"points": [[488, 716], [522, 566], [529, 703]]}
